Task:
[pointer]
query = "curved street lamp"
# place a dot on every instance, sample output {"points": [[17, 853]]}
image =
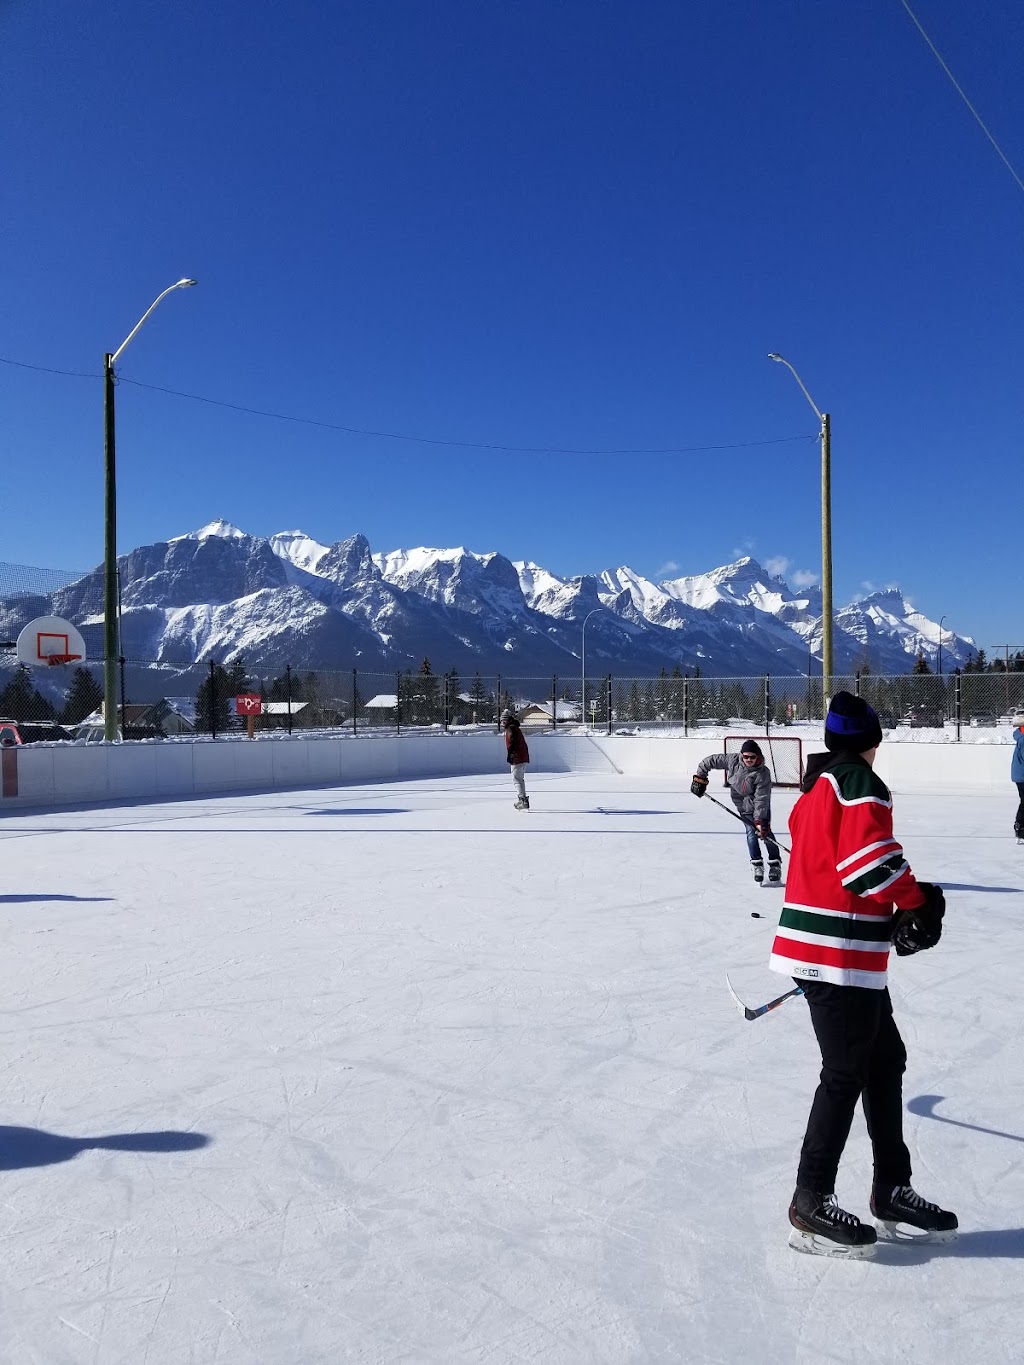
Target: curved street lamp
{"points": [[826, 531], [583, 658], [110, 642]]}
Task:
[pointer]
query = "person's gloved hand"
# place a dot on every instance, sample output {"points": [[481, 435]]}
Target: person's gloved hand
{"points": [[699, 785], [763, 829], [918, 929]]}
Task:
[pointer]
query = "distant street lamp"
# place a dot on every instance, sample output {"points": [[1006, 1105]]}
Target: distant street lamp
{"points": [[110, 642], [583, 659], [826, 530], [941, 619]]}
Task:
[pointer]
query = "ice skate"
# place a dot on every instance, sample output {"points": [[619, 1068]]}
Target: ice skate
{"points": [[523, 803], [757, 867], [775, 872], [822, 1228], [901, 1215]]}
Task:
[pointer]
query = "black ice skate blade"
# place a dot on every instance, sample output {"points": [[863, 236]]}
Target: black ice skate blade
{"points": [[904, 1234], [812, 1244]]}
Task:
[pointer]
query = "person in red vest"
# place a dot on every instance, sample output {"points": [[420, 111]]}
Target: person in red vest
{"points": [[518, 755], [849, 894]]}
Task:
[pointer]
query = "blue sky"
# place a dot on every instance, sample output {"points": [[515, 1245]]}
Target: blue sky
{"points": [[561, 226]]}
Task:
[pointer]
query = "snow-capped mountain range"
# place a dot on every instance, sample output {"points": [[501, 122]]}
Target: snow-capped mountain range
{"points": [[219, 593]]}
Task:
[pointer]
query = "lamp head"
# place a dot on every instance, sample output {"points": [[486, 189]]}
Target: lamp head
{"points": [[774, 355], [184, 284]]}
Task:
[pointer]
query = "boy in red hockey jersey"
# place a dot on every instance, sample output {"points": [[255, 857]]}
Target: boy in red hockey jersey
{"points": [[849, 894]]}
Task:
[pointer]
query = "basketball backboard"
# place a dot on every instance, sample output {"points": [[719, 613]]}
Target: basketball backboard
{"points": [[50, 640]]}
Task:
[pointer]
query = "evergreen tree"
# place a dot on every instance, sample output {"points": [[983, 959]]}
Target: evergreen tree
{"points": [[456, 706], [920, 663], [481, 705], [21, 699], [213, 709], [634, 708], [85, 695]]}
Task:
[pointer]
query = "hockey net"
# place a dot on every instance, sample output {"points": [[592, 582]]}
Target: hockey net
{"points": [[783, 754]]}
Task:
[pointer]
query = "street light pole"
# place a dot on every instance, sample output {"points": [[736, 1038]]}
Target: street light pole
{"points": [[941, 619], [826, 531], [583, 660], [110, 595]]}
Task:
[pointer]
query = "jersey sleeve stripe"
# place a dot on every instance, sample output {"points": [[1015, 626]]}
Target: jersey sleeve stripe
{"points": [[868, 848], [890, 859], [871, 883]]}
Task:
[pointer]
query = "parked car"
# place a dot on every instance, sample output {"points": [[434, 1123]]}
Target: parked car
{"points": [[9, 734], [923, 718]]}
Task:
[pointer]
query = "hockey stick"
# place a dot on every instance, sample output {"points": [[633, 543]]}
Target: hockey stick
{"points": [[735, 816], [748, 1013]]}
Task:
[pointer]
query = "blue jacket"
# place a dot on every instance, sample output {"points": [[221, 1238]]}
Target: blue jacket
{"points": [[1017, 762]]}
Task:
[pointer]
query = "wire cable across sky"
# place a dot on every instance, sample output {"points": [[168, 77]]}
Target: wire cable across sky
{"points": [[419, 440]]}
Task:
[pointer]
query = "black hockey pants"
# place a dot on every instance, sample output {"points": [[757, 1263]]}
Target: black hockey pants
{"points": [[862, 1057]]}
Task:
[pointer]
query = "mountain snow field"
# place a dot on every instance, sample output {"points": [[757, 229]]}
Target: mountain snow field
{"points": [[220, 592], [398, 1074]]}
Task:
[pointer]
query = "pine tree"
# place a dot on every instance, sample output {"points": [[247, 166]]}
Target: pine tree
{"points": [[85, 695], [920, 663], [21, 700], [481, 706], [213, 710]]}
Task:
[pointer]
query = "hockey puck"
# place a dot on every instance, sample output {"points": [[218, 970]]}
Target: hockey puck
{"points": [[754, 914]]}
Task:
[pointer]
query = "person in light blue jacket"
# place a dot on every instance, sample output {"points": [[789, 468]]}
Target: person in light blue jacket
{"points": [[1017, 772]]}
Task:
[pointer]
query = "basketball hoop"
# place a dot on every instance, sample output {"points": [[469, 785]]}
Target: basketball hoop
{"points": [[50, 640]]}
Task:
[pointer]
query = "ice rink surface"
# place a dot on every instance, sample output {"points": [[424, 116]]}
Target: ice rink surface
{"points": [[399, 1074]]}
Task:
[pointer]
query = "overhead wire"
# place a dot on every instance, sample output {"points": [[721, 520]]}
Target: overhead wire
{"points": [[959, 89], [420, 440]]}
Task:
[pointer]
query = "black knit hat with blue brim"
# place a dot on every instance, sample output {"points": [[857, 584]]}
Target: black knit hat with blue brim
{"points": [[851, 724]]}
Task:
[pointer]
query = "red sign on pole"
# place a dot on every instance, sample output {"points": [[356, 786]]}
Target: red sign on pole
{"points": [[248, 704]]}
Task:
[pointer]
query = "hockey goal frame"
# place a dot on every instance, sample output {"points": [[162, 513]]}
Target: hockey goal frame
{"points": [[770, 746]]}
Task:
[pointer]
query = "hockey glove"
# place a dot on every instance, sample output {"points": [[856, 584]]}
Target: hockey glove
{"points": [[918, 929], [763, 830], [699, 785]]}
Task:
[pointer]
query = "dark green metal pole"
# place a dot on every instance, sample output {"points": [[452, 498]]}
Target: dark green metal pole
{"points": [[110, 649]]}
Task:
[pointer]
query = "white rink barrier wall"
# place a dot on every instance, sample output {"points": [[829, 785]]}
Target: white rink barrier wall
{"points": [[59, 774]]}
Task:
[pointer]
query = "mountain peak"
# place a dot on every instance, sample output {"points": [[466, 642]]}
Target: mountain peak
{"points": [[224, 529]]}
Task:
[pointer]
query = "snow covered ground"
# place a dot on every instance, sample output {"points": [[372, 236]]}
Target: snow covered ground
{"points": [[398, 1074]]}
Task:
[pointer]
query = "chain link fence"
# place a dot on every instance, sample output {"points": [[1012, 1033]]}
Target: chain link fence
{"points": [[158, 701]]}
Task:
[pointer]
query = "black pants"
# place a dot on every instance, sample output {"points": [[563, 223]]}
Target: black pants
{"points": [[1018, 824], [862, 1057]]}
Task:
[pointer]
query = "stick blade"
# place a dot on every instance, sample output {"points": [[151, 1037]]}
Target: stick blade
{"points": [[743, 1009]]}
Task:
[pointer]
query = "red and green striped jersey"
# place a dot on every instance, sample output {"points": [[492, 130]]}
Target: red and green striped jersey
{"points": [[846, 874]]}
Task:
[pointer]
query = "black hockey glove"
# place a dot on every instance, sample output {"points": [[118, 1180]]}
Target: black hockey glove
{"points": [[699, 785], [918, 929]]}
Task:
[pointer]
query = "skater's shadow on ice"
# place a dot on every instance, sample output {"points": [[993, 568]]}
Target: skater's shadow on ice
{"points": [[1005, 1244], [23, 1147], [48, 896], [361, 810], [620, 810], [963, 886], [924, 1105]]}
